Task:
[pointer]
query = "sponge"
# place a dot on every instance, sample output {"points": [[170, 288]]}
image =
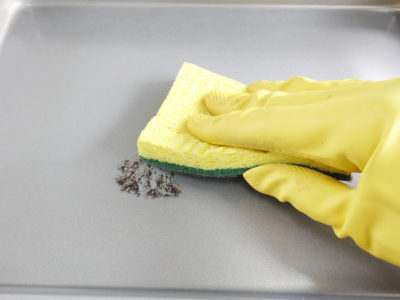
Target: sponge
{"points": [[166, 143]]}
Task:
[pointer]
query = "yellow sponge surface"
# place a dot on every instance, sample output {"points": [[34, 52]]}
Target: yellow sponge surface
{"points": [[166, 140]]}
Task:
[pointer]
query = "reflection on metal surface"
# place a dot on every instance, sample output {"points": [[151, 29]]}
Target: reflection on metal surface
{"points": [[7, 10], [332, 3]]}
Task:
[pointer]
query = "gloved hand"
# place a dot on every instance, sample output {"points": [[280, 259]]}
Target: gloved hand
{"points": [[351, 125]]}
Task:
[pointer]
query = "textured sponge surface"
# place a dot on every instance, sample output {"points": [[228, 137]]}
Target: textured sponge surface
{"points": [[166, 142]]}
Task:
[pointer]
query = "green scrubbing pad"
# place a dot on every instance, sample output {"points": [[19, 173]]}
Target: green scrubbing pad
{"points": [[165, 141], [227, 172]]}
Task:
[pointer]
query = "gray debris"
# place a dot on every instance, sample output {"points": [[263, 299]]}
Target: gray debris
{"points": [[144, 179]]}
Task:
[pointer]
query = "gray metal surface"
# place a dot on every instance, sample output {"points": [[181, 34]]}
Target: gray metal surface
{"points": [[79, 81]]}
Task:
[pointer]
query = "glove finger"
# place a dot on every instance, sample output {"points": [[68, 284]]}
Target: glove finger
{"points": [[326, 200], [320, 132], [218, 102], [319, 196], [299, 84]]}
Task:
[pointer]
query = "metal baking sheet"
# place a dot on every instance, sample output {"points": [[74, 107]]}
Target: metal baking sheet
{"points": [[80, 79]]}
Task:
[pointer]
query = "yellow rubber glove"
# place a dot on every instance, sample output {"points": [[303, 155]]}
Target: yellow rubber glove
{"points": [[350, 125]]}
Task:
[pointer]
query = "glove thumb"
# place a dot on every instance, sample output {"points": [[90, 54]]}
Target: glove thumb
{"points": [[317, 195]]}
